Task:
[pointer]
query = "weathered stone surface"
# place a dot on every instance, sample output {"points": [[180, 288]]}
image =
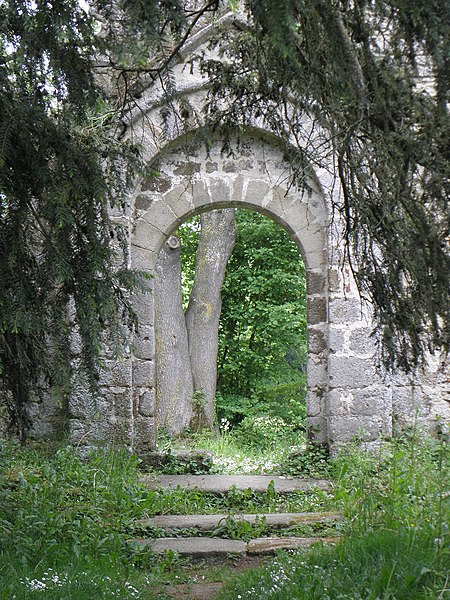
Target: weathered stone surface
{"points": [[212, 522], [351, 372], [220, 191], [271, 545], [116, 373], [143, 259], [336, 340], [345, 310], [361, 342], [211, 167], [143, 373], [187, 169], [315, 282], [195, 548], [143, 202], [200, 195], [220, 484], [144, 344], [317, 310], [316, 340], [156, 184], [256, 191], [145, 401]]}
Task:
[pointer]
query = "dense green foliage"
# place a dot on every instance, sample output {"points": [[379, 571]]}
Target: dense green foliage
{"points": [[397, 542], [60, 170], [66, 524], [262, 333], [372, 78]]}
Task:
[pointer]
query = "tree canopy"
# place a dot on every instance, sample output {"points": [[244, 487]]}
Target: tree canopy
{"points": [[374, 76]]}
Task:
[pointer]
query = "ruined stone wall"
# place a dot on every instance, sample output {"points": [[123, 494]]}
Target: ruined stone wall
{"points": [[347, 394]]}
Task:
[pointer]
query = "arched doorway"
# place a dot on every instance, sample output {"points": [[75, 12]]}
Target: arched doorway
{"points": [[256, 177]]}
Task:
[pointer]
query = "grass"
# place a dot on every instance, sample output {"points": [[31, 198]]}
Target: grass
{"points": [[65, 525], [397, 541]]}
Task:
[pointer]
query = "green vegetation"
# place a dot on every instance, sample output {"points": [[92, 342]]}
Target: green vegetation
{"points": [[66, 525], [397, 538], [262, 333]]}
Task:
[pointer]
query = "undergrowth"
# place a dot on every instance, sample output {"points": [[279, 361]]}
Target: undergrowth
{"points": [[397, 541]]}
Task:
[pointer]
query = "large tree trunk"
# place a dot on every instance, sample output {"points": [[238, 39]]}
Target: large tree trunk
{"points": [[174, 389], [217, 238]]}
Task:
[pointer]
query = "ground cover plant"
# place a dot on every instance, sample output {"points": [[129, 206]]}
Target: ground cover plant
{"points": [[66, 526], [397, 539]]}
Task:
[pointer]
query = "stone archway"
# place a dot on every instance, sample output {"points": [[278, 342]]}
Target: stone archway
{"points": [[258, 178]]}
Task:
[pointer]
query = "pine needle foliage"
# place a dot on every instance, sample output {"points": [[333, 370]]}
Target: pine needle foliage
{"points": [[60, 171], [373, 77]]}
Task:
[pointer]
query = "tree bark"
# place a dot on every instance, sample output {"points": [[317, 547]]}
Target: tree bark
{"points": [[174, 388], [217, 238]]}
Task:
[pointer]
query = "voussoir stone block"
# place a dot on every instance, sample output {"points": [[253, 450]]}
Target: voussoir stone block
{"points": [[219, 190], [200, 195], [147, 235], [256, 191], [179, 200]]}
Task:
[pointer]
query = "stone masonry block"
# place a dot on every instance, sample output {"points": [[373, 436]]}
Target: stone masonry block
{"points": [[344, 429], [315, 404], [187, 169], [373, 401], [143, 306], [220, 190], [317, 310], [143, 373], [144, 434], [156, 184], [336, 340], [256, 191], [200, 195], [160, 216], [143, 259], [344, 310], [144, 343], [122, 401], [350, 372], [316, 340], [315, 282], [316, 373], [361, 342], [145, 401], [147, 236], [116, 373], [179, 200], [317, 429]]}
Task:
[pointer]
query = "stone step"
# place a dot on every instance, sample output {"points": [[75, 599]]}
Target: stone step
{"points": [[212, 522], [200, 548], [221, 484]]}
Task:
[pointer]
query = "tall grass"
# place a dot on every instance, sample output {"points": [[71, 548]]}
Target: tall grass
{"points": [[397, 546], [63, 524]]}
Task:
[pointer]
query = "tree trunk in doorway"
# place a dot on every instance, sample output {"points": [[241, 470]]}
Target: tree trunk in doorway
{"points": [[217, 238], [174, 390]]}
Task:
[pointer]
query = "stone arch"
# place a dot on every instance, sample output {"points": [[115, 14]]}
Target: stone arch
{"points": [[256, 177]]}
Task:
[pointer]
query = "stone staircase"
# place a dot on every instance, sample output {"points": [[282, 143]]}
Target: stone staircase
{"points": [[202, 547]]}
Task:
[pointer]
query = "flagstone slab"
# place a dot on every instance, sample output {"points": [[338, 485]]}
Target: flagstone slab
{"points": [[203, 548], [221, 484], [271, 545], [199, 548], [211, 522]]}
